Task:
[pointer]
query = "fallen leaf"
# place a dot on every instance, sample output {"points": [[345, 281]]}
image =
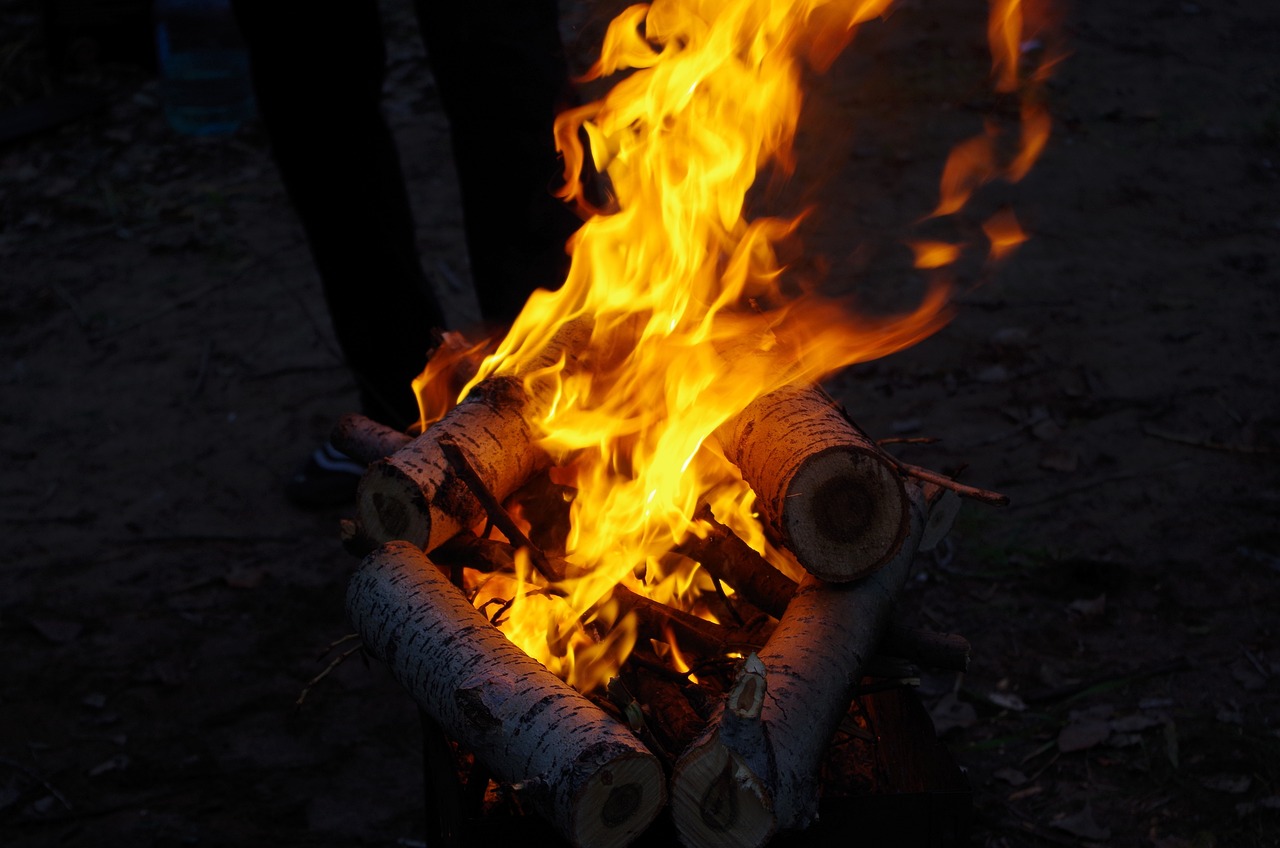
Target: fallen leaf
{"points": [[1247, 675], [1124, 740], [1060, 459], [1232, 784], [1082, 824], [1007, 701], [993, 374], [119, 762], [1011, 776], [1135, 723], [1087, 608], [1083, 735], [951, 713], [244, 578]]}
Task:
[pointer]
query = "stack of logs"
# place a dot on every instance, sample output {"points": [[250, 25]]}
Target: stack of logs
{"points": [[740, 754]]}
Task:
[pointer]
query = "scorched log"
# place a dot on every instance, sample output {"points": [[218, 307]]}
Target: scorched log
{"points": [[755, 770], [585, 773], [415, 495], [832, 495]]}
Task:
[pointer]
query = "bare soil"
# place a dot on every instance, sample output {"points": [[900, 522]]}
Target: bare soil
{"points": [[167, 361]]}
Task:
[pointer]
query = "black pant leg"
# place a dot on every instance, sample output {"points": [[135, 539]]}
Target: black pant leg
{"points": [[502, 75], [318, 70]]}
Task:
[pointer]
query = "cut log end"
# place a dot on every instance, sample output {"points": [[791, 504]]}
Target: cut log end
{"points": [[718, 802], [392, 506], [619, 802], [846, 514]]}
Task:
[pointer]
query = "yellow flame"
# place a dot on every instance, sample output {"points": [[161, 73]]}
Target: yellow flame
{"points": [[680, 295], [934, 254]]}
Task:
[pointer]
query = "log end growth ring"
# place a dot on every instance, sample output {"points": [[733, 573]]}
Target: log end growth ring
{"points": [[718, 801], [845, 513], [390, 505], [619, 802]]}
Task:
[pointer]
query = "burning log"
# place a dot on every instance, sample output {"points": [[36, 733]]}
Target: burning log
{"points": [[583, 771], [755, 770], [416, 495], [831, 493]]}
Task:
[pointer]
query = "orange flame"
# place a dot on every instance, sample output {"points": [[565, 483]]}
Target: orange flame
{"points": [[1004, 232], [680, 294]]}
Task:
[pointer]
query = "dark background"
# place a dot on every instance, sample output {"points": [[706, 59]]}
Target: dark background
{"points": [[167, 361]]}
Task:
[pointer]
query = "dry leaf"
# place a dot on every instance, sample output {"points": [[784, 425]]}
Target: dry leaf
{"points": [[1083, 735], [1011, 776], [1089, 607], [951, 713], [1060, 459], [1082, 824], [1232, 784]]}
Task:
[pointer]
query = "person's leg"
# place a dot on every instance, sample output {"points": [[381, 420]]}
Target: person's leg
{"points": [[318, 79], [502, 76]]}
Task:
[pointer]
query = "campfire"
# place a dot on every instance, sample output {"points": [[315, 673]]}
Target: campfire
{"points": [[636, 560]]}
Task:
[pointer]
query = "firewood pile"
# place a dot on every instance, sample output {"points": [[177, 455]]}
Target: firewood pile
{"points": [[734, 746]]}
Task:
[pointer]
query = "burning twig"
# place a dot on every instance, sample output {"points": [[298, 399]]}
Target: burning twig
{"points": [[500, 517], [415, 495]]}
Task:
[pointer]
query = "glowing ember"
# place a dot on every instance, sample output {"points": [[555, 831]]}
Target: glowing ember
{"points": [[680, 296]]}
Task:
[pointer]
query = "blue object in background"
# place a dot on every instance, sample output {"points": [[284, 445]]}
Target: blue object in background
{"points": [[204, 69]]}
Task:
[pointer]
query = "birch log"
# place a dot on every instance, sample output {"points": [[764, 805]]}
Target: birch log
{"points": [[755, 770], [366, 440], [827, 489], [416, 496], [586, 774]]}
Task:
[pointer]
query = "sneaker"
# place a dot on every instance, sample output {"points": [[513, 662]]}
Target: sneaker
{"points": [[328, 478]]}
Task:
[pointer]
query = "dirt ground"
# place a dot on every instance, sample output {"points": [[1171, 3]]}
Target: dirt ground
{"points": [[167, 361]]}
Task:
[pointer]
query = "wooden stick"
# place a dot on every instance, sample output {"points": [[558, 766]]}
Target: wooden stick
{"points": [[365, 440], [973, 492], [692, 633], [834, 497], [946, 651], [728, 558], [578, 767], [501, 519], [752, 774]]}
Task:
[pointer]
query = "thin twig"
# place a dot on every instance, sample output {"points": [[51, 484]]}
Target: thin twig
{"points": [[336, 642], [500, 517], [313, 682], [49, 787], [908, 440], [984, 495], [1207, 444]]}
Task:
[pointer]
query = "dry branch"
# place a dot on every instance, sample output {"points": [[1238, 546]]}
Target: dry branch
{"points": [[726, 557], [835, 498], [755, 771], [580, 769]]}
